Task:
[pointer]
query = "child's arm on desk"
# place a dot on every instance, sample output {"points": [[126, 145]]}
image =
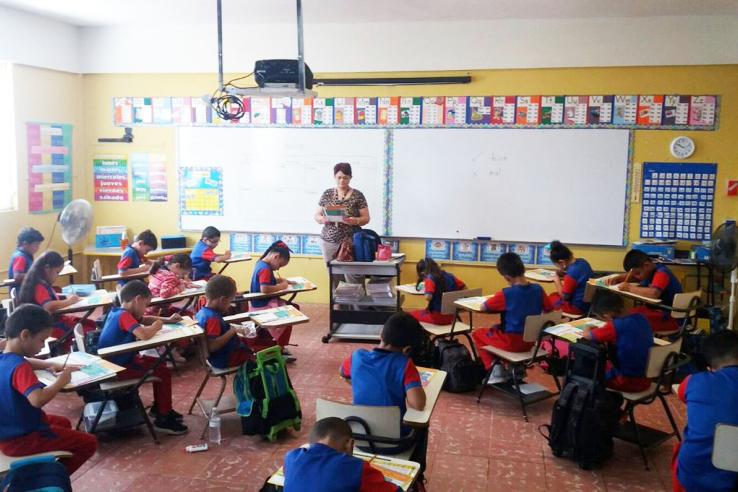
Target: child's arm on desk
{"points": [[221, 258], [53, 306], [215, 341], [495, 304], [270, 289], [42, 395], [415, 393], [144, 332], [652, 292], [175, 318]]}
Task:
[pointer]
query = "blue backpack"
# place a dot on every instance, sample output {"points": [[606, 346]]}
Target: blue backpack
{"points": [[366, 242], [42, 474]]}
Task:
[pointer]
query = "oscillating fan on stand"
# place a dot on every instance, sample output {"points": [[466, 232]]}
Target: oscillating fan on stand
{"points": [[724, 256], [75, 222]]}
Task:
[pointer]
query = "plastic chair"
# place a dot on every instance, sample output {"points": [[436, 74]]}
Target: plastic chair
{"points": [[457, 327], [6, 461]]}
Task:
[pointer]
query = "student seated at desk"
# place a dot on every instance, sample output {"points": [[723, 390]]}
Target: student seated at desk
{"points": [[514, 303], [327, 464], [263, 280], [126, 324], [133, 260], [711, 398], [24, 427], [655, 281], [38, 289], [631, 337], [27, 244], [435, 283], [203, 254], [224, 345], [573, 274]]}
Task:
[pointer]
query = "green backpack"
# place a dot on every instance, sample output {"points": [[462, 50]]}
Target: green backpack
{"points": [[266, 401]]}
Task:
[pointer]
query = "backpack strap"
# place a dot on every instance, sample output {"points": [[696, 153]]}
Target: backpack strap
{"points": [[575, 414]]}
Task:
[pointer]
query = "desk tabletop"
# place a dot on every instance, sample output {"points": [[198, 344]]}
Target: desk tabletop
{"points": [[68, 269], [238, 258], [600, 283], [540, 274], [271, 318], [184, 295], [421, 418], [114, 277], [471, 303], [301, 285], [117, 251], [94, 373], [411, 289], [163, 337], [99, 298]]}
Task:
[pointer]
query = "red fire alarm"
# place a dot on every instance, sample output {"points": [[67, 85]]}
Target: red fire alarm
{"points": [[733, 187]]}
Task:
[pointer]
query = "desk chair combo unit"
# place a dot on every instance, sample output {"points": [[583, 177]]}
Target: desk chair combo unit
{"points": [[458, 327], [518, 362]]}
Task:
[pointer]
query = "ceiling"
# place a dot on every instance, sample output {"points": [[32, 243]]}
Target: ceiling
{"points": [[132, 12]]}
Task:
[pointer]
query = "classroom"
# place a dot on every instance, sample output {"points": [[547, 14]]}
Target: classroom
{"points": [[472, 245]]}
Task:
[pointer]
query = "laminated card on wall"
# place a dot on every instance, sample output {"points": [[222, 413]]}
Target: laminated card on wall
{"points": [[302, 111], [323, 111], [181, 110], [433, 110], [702, 110], [650, 109], [479, 110], [261, 111], [142, 110], [626, 110], [455, 114], [552, 110], [366, 110], [490, 252], [162, 109], [503, 110], [528, 110], [123, 110], [575, 110], [281, 110], [388, 110], [600, 110], [411, 109], [676, 110], [344, 109]]}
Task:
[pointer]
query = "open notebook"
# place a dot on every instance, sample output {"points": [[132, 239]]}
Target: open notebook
{"points": [[93, 369]]}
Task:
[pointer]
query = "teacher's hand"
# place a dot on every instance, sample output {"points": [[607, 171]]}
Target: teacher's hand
{"points": [[351, 220]]}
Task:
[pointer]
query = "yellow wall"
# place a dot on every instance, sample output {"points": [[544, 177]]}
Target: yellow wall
{"points": [[717, 146], [52, 97]]}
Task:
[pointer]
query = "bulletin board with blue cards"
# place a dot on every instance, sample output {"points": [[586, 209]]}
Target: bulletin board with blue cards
{"points": [[677, 201]]}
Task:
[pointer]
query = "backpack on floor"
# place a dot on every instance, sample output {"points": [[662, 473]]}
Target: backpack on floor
{"points": [[585, 416], [424, 354], [266, 401], [41, 474], [463, 373], [365, 243]]}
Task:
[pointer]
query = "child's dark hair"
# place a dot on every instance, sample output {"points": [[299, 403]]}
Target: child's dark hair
{"points": [[332, 428], [402, 330], [210, 232], [220, 286], [429, 267], [510, 265], [280, 248], [27, 317], [133, 289], [177, 259], [148, 238], [29, 235], [50, 259], [607, 303], [635, 258], [559, 252], [721, 348]]}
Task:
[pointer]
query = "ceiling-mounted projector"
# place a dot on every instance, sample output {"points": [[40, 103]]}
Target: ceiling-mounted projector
{"points": [[281, 74]]}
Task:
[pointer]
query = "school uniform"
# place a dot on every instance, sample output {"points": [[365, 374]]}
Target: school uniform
{"points": [[514, 303], [20, 262], [660, 319], [432, 314], [202, 256], [573, 284], [25, 429], [129, 260], [232, 354], [632, 338], [118, 329], [711, 398], [44, 293], [320, 468], [263, 275]]}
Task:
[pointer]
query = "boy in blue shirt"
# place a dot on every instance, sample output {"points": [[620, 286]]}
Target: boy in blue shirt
{"points": [[711, 398], [224, 345], [203, 254], [29, 240], [326, 464], [133, 260], [24, 427]]}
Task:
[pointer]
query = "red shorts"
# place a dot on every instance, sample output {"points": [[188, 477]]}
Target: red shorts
{"points": [[564, 306], [425, 316], [512, 342], [659, 320]]}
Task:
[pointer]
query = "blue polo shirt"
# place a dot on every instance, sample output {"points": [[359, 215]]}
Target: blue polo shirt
{"points": [[633, 338], [517, 302], [711, 398], [118, 329], [662, 279], [17, 416], [202, 256], [215, 326], [263, 275], [450, 284], [128, 260], [20, 262], [579, 271]]}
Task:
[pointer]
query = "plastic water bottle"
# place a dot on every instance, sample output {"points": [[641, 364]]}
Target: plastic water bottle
{"points": [[214, 427]]}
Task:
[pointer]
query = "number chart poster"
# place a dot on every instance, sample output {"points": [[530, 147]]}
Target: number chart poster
{"points": [[49, 166], [148, 177], [111, 178], [201, 190]]}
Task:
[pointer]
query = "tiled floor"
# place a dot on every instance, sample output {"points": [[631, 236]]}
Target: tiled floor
{"points": [[473, 447]]}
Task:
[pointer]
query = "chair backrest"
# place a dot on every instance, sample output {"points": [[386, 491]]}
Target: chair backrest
{"points": [[725, 448], [658, 354], [685, 304], [96, 273], [589, 292], [13, 299], [382, 421], [534, 324], [448, 299], [79, 337]]}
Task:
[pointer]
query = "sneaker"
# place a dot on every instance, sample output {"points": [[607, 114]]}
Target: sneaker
{"points": [[154, 413], [499, 375], [519, 375], [169, 425], [289, 359], [178, 358], [286, 352]]}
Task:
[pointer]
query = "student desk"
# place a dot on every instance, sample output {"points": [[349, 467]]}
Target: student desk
{"points": [[88, 304], [113, 254], [572, 331], [421, 418], [301, 285], [471, 305], [540, 275], [67, 270], [600, 283], [411, 289], [234, 259], [188, 295], [294, 317], [116, 277], [111, 370]]}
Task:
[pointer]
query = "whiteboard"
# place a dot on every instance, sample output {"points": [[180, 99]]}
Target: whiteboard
{"points": [[274, 177], [511, 184]]}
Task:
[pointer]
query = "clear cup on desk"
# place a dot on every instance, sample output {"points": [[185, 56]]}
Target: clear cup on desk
{"points": [[249, 329]]}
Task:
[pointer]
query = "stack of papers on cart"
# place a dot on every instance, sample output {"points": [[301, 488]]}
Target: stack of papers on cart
{"points": [[346, 292], [380, 288]]}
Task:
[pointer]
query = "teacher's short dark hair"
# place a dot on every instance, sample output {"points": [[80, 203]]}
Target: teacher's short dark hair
{"points": [[343, 167]]}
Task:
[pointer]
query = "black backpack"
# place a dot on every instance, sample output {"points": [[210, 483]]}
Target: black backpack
{"points": [[463, 373], [424, 354], [585, 415]]}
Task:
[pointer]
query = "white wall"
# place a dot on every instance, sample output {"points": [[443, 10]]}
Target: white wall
{"points": [[38, 41], [520, 43]]}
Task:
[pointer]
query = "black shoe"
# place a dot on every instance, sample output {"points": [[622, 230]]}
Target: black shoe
{"points": [[168, 425], [154, 413], [289, 359]]}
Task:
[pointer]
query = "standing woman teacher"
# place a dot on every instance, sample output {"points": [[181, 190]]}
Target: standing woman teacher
{"points": [[357, 212]]}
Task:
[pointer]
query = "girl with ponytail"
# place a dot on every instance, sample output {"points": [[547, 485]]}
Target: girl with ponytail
{"points": [[435, 282], [573, 274]]}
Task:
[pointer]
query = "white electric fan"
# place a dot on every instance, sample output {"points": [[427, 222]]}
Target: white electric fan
{"points": [[724, 256], [75, 221]]}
